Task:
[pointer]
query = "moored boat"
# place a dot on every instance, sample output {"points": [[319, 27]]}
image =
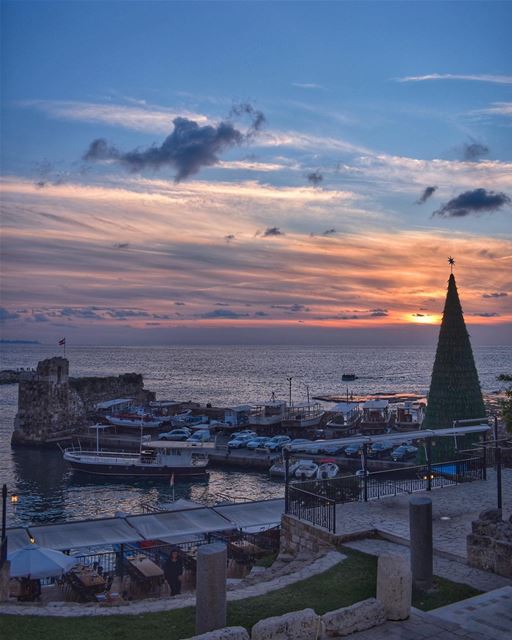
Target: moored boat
{"points": [[306, 469], [135, 421], [327, 469], [156, 459]]}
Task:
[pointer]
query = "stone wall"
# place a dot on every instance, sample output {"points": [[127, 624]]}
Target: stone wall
{"points": [[53, 405], [489, 546], [298, 536]]}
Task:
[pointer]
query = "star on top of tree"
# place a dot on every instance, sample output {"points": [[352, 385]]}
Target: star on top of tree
{"points": [[451, 262]]}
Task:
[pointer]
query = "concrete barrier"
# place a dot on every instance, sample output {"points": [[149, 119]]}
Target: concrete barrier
{"points": [[211, 587], [358, 617], [298, 625], [394, 586]]}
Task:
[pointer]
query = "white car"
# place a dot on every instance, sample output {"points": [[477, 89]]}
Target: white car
{"points": [[200, 436], [240, 442]]}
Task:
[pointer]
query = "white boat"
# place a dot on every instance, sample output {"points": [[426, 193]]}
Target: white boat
{"points": [[135, 421], [306, 469], [345, 420], [303, 415], [327, 470], [156, 459], [266, 414], [278, 468]]}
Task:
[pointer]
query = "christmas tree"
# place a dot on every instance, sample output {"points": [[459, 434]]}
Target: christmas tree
{"points": [[455, 392]]}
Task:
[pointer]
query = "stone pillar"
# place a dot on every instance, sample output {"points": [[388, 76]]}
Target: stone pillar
{"points": [[211, 587], [5, 576], [420, 528], [394, 586]]}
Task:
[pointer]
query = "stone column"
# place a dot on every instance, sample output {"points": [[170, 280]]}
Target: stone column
{"points": [[5, 576], [211, 587], [394, 586], [420, 527]]}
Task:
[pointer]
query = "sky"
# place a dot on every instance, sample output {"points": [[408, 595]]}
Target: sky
{"points": [[255, 172]]}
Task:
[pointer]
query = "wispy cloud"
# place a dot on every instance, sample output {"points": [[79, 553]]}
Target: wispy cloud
{"points": [[483, 77], [307, 85], [146, 119], [496, 108]]}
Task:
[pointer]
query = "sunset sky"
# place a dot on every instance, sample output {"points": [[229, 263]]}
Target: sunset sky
{"points": [[255, 171]]}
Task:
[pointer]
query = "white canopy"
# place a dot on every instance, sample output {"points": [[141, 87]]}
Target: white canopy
{"points": [[37, 562], [17, 538], [256, 515], [86, 533], [108, 404], [178, 523]]}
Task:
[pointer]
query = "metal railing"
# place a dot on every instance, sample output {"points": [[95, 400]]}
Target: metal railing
{"points": [[314, 508], [315, 500]]}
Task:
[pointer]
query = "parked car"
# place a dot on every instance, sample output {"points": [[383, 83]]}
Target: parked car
{"points": [[379, 449], [253, 434], [298, 441], [318, 447], [332, 449], [200, 436], [240, 441], [258, 443], [177, 435], [404, 452], [277, 443], [352, 450]]}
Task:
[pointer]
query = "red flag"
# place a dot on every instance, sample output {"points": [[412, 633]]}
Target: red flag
{"points": [[62, 342]]}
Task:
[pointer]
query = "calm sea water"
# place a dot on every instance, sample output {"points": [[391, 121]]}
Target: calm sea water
{"points": [[50, 492]]}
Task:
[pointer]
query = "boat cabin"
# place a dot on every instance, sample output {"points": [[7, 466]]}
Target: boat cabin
{"points": [[267, 413], [376, 417], [345, 420], [237, 416]]}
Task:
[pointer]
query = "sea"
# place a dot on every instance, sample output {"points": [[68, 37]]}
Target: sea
{"points": [[48, 491]]}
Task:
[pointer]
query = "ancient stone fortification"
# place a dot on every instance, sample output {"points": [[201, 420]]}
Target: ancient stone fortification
{"points": [[489, 546], [52, 405]]}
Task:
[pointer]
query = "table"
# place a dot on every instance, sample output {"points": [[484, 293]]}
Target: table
{"points": [[86, 582], [146, 574], [146, 567]]}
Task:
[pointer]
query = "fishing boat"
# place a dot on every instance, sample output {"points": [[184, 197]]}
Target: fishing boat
{"points": [[303, 415], [377, 418], [409, 416], [348, 377], [136, 421], [156, 459], [345, 420], [327, 469]]}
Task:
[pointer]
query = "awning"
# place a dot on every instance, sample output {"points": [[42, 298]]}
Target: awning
{"points": [[108, 404], [87, 533], [179, 523], [253, 514]]}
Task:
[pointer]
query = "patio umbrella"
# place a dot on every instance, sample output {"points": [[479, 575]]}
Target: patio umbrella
{"points": [[38, 562]]}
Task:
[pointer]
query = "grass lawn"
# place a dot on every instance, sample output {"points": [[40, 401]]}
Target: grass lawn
{"points": [[350, 581]]}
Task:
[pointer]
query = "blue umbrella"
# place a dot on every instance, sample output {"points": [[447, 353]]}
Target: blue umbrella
{"points": [[38, 562]]}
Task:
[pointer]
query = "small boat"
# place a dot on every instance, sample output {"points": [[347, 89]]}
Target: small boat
{"points": [[156, 459], [278, 468], [327, 469], [306, 469], [137, 421], [347, 377]]}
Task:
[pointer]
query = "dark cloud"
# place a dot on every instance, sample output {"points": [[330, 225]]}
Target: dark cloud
{"points": [[427, 193], [121, 245], [379, 313], [474, 150], [495, 294], [40, 317], [292, 308], [223, 313], [476, 201], [329, 232], [420, 315], [315, 178], [245, 108], [261, 314], [229, 237], [222, 304], [180, 304], [187, 149], [5, 314], [486, 314], [272, 231], [88, 313]]}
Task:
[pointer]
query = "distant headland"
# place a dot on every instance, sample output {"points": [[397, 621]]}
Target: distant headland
{"points": [[19, 342]]}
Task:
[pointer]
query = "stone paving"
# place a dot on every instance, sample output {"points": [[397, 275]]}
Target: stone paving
{"points": [[453, 509], [456, 571], [268, 581], [489, 613], [420, 626]]}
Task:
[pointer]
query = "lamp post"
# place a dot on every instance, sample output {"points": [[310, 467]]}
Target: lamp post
{"points": [[3, 551], [290, 390]]}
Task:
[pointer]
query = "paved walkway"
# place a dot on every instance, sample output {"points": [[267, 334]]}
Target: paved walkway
{"points": [[420, 626], [456, 571], [453, 509], [489, 613]]}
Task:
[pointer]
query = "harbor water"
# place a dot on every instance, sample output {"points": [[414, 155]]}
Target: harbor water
{"points": [[49, 492]]}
